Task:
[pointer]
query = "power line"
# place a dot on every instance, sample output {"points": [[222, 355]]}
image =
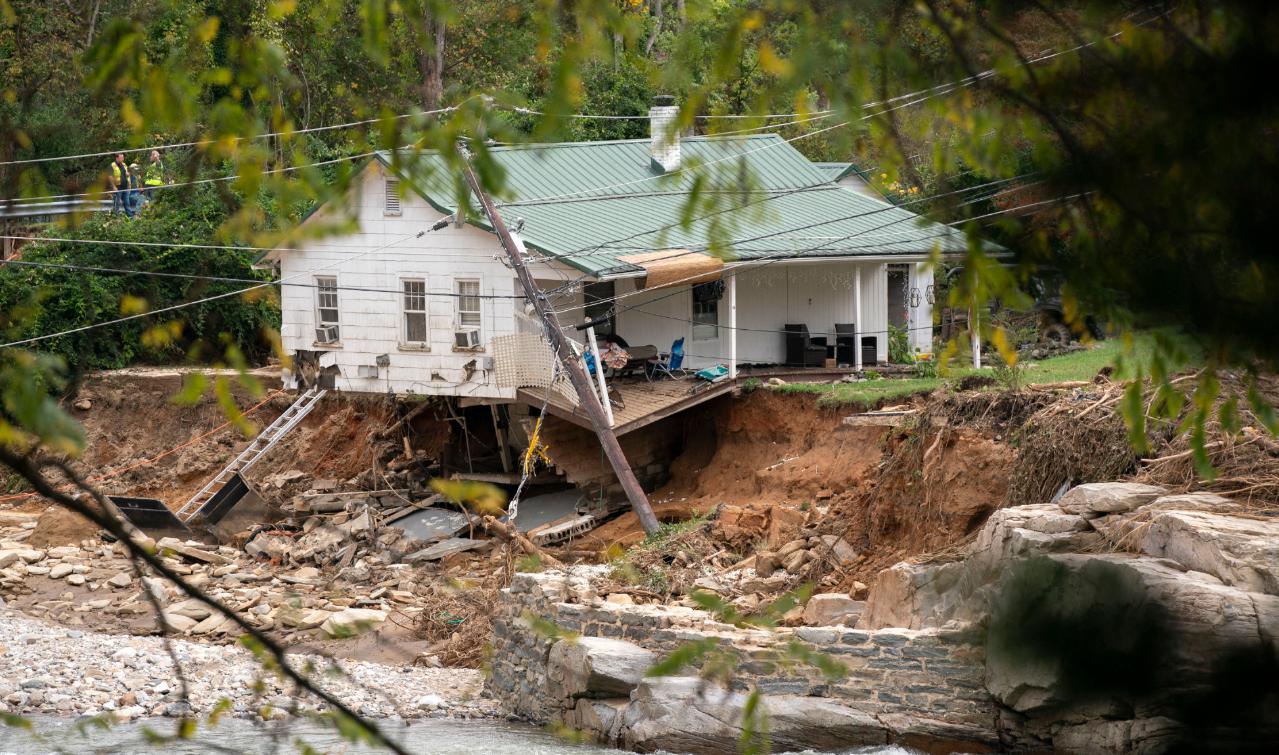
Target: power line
{"points": [[828, 221], [903, 100], [216, 297], [270, 171], [763, 262], [225, 279], [205, 142]]}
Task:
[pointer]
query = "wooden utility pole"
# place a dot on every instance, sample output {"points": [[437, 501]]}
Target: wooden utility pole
{"points": [[577, 375]]}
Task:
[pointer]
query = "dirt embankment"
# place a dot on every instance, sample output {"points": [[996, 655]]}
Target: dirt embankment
{"points": [[775, 466], [140, 442]]}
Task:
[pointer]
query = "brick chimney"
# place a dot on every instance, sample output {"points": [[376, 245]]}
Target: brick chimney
{"points": [[663, 133]]}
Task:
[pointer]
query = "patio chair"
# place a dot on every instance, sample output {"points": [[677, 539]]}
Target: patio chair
{"points": [[802, 350], [668, 364]]}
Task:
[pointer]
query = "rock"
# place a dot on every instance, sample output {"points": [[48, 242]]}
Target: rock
{"points": [[442, 549], [860, 590], [795, 561], [1173, 628], [765, 564], [1108, 497], [791, 547], [190, 552], [1200, 501], [16, 555], [429, 702], [840, 549], [307, 575], [211, 624], [178, 622], [830, 609], [268, 547], [120, 580], [596, 667], [1240, 552], [685, 714], [190, 608], [58, 571], [76, 579], [83, 404], [710, 584], [351, 621], [619, 599]]}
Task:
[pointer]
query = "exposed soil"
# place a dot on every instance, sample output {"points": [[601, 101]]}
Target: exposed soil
{"points": [[774, 465]]}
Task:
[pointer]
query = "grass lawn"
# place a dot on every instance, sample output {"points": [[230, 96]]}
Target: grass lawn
{"points": [[1081, 365]]}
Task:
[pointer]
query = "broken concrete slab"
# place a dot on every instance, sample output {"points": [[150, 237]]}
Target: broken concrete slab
{"points": [[191, 552], [430, 524], [352, 621], [442, 549]]}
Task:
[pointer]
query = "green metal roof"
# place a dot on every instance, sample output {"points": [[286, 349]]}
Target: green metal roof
{"points": [[590, 203]]}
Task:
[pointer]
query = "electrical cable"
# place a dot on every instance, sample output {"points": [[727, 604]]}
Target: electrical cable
{"points": [[205, 300], [204, 142], [224, 279]]}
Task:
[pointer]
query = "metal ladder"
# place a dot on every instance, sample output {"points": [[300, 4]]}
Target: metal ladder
{"points": [[262, 443]]}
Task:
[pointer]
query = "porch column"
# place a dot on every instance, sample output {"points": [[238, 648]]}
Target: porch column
{"points": [[974, 328], [732, 327], [857, 317]]}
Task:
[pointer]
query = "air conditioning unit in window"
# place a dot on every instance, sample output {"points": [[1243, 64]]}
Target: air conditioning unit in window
{"points": [[326, 334], [466, 339]]}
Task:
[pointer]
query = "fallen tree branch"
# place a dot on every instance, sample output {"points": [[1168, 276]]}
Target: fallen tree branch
{"points": [[508, 533]]}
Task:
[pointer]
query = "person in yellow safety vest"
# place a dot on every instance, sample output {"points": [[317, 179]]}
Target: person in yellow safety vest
{"points": [[118, 180], [154, 175]]}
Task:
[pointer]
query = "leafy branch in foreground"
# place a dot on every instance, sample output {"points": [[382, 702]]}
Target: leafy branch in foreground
{"points": [[31, 467]]}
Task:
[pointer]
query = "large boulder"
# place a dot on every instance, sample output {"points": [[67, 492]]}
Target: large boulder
{"points": [[1097, 498], [1101, 636], [688, 714], [1241, 552], [596, 667], [916, 596]]}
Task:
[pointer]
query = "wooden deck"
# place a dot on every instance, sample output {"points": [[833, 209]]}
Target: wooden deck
{"points": [[646, 403]]}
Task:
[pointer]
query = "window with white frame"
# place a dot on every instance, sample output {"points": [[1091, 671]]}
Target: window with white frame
{"points": [[469, 314], [415, 330], [391, 204], [326, 305]]}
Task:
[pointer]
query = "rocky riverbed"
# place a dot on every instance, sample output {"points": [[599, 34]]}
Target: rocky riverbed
{"points": [[46, 669]]}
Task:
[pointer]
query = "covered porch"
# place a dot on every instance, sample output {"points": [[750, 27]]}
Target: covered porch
{"points": [[812, 313]]}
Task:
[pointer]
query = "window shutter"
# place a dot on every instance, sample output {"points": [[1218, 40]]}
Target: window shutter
{"points": [[392, 206]]}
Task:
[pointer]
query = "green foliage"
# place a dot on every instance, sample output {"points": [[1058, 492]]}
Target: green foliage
{"points": [[39, 297], [1011, 377], [899, 346], [750, 385]]}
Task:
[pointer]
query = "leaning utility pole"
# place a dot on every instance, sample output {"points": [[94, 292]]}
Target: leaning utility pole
{"points": [[581, 383]]}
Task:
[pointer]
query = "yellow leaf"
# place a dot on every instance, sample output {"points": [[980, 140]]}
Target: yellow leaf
{"points": [[281, 8], [1005, 348], [130, 115], [132, 305], [772, 62], [481, 497]]}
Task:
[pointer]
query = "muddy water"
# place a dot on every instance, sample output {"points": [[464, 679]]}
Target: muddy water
{"points": [[431, 737]]}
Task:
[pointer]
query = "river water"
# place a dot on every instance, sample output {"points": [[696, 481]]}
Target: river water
{"points": [[429, 737]]}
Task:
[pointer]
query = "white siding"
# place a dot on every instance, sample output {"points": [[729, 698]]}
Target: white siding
{"points": [[768, 297], [381, 253]]}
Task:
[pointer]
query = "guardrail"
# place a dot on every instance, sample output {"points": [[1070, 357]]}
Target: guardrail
{"points": [[43, 212]]}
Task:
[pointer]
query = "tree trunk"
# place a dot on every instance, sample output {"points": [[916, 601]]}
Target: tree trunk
{"points": [[430, 60]]}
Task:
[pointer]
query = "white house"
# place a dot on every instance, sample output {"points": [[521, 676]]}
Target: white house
{"points": [[390, 308]]}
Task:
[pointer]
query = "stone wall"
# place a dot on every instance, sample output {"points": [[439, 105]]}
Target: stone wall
{"points": [[903, 685]]}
